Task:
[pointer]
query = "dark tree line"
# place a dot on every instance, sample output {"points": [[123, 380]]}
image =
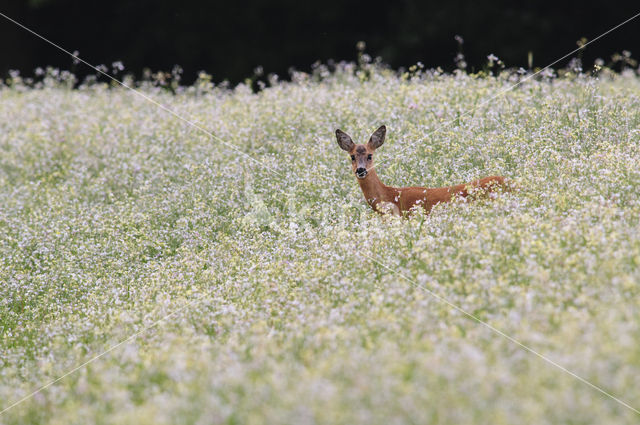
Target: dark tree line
{"points": [[229, 39]]}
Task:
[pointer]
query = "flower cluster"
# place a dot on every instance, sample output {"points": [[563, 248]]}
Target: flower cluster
{"points": [[245, 260]]}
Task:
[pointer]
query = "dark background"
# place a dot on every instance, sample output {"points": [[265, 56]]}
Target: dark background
{"points": [[229, 39]]}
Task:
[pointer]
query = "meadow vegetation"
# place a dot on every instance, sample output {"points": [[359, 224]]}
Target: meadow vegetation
{"points": [[114, 214]]}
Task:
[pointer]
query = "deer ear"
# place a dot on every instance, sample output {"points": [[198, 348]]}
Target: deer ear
{"points": [[377, 138], [344, 141]]}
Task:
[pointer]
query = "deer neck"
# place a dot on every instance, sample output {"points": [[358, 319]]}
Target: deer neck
{"points": [[374, 190]]}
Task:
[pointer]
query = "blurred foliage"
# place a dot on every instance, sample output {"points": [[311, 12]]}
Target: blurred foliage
{"points": [[230, 39], [114, 214]]}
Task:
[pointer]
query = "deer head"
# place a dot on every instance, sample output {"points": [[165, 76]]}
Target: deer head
{"points": [[361, 155]]}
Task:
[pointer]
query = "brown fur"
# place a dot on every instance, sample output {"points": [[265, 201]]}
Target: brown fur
{"points": [[377, 193], [400, 200]]}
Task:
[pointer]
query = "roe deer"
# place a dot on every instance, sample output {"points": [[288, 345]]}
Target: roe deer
{"points": [[399, 200]]}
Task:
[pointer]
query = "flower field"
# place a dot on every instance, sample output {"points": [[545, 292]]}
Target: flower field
{"points": [[250, 283]]}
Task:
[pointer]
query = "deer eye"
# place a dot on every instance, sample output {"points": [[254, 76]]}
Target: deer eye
{"points": [[369, 157], [353, 157]]}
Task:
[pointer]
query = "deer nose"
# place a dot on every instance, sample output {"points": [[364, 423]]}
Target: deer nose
{"points": [[361, 172]]}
